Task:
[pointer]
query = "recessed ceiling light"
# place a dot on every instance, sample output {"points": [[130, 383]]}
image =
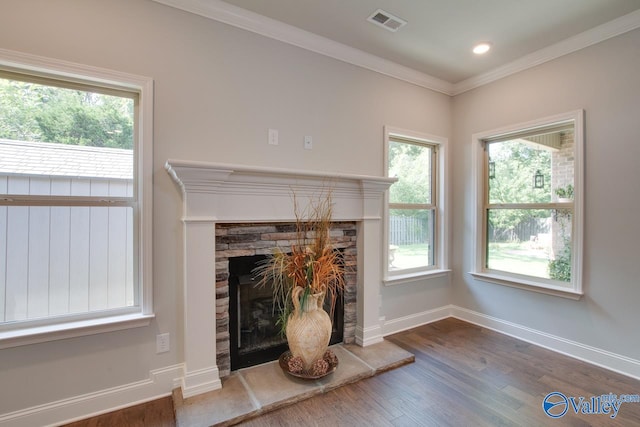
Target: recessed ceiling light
{"points": [[481, 48]]}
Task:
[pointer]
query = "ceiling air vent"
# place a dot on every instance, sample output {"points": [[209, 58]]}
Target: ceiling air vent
{"points": [[386, 20]]}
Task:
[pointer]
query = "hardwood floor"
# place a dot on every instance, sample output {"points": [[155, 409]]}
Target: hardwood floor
{"points": [[158, 413], [464, 375]]}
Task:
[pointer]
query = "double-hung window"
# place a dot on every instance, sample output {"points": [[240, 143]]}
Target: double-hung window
{"points": [[74, 201], [415, 209], [529, 192]]}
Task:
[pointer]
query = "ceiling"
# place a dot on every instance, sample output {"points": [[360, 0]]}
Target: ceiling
{"points": [[434, 49], [438, 38]]}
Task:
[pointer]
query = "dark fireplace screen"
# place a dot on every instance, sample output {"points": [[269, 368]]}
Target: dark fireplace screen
{"points": [[254, 335]]}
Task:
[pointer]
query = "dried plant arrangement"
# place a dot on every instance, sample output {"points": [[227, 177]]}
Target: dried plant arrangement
{"points": [[310, 263]]}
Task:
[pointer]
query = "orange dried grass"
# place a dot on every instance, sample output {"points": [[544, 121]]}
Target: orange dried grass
{"points": [[312, 262]]}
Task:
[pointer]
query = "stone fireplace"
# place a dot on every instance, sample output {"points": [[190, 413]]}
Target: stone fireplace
{"points": [[215, 195], [241, 245]]}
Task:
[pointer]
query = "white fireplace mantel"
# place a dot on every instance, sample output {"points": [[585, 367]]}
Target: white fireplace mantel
{"points": [[214, 192]]}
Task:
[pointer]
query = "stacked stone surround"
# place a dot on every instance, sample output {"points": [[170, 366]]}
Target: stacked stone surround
{"points": [[246, 239]]}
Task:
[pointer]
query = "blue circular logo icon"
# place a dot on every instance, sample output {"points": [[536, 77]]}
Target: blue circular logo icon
{"points": [[555, 404]]}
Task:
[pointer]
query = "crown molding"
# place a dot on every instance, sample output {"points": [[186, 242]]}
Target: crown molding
{"points": [[598, 34], [250, 21], [229, 14]]}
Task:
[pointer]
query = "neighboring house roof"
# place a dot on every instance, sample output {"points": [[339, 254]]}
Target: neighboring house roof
{"points": [[43, 158]]}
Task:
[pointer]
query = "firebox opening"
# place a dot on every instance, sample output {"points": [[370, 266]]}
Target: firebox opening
{"points": [[254, 335]]}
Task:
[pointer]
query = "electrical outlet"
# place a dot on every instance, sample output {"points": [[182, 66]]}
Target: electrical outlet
{"points": [[163, 344], [308, 142], [273, 136]]}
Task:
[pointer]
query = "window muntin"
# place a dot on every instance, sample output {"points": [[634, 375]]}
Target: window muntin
{"points": [[412, 221], [530, 218], [71, 209]]}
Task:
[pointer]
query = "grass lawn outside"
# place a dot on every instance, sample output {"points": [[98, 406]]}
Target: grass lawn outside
{"points": [[409, 256], [519, 258]]}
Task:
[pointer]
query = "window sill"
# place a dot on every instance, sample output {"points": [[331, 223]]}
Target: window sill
{"points": [[33, 335], [528, 285], [400, 279]]}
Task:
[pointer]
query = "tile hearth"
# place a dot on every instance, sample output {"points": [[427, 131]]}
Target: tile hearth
{"points": [[249, 392]]}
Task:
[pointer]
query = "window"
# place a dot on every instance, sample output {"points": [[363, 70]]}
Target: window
{"points": [[529, 210], [415, 220], [74, 202]]}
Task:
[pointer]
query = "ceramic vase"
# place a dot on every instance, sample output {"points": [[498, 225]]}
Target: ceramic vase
{"points": [[308, 327]]}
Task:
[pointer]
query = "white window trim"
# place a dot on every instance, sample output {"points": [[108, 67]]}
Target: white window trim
{"points": [[39, 332], [391, 278], [528, 282]]}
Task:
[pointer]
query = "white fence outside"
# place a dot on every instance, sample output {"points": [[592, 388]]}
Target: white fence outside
{"points": [[405, 230], [57, 260]]}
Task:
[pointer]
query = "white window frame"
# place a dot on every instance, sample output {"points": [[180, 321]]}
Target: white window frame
{"points": [[42, 330], [441, 229], [531, 283]]}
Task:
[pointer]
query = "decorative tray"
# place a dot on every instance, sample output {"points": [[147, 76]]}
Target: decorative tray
{"points": [[284, 365]]}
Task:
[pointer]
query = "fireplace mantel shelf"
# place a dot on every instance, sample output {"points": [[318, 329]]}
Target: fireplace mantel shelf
{"points": [[187, 172]]}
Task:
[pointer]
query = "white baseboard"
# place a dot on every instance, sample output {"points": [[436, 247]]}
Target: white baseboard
{"points": [[414, 320], [158, 385], [595, 356], [200, 381], [368, 336]]}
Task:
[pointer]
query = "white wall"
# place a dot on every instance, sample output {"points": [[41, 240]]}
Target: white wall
{"points": [[217, 91], [604, 81]]}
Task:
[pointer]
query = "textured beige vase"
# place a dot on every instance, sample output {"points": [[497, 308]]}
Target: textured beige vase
{"points": [[308, 328]]}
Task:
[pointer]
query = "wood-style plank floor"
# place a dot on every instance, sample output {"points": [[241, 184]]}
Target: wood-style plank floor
{"points": [[157, 413], [464, 375]]}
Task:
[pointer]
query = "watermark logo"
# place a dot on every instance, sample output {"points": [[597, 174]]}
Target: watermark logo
{"points": [[556, 404]]}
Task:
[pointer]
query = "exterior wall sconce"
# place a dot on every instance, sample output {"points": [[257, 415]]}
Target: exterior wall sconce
{"points": [[538, 180]]}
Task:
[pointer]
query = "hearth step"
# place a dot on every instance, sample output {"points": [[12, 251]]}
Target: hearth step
{"points": [[253, 391]]}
